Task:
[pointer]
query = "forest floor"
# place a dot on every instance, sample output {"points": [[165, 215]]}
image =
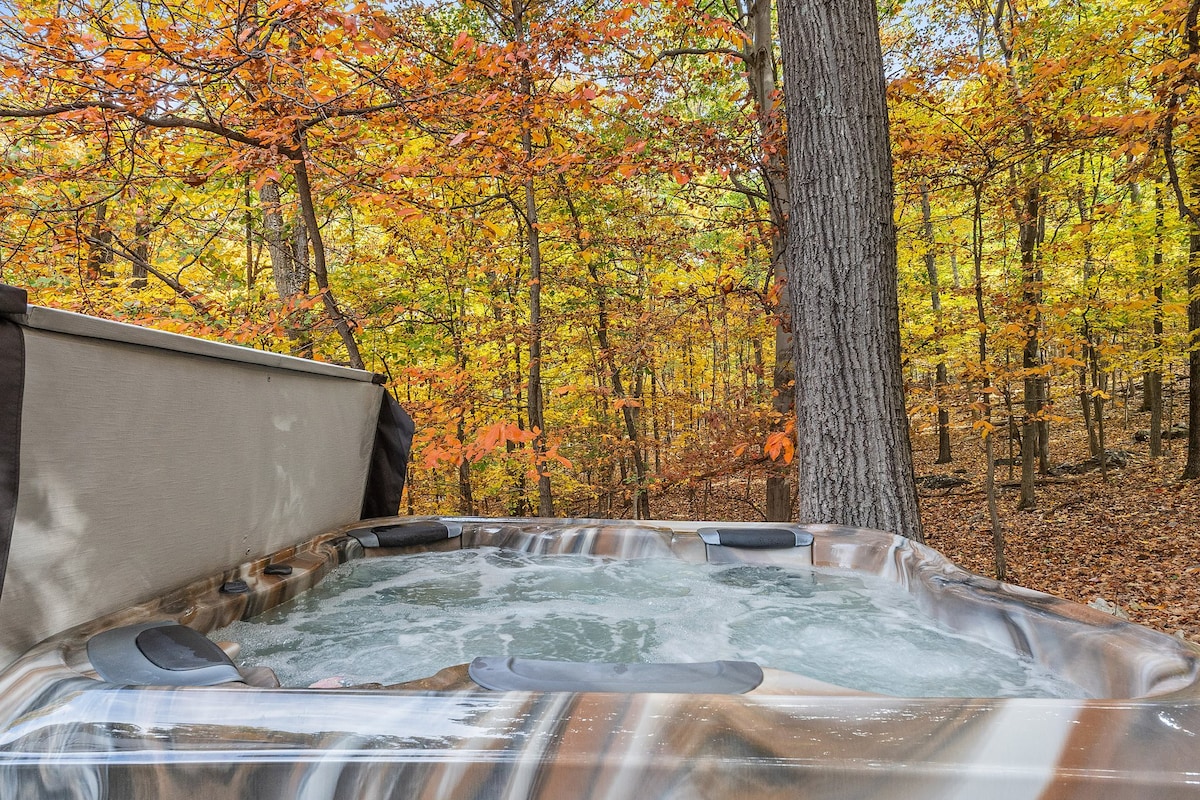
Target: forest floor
{"points": [[1133, 541]]}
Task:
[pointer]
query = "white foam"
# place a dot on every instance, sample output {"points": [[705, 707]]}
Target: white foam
{"points": [[390, 620]]}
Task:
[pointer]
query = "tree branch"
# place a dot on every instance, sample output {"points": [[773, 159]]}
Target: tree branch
{"points": [[154, 121], [1192, 37], [699, 51]]}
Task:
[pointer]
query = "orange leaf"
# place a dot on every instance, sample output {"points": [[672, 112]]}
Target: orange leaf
{"points": [[780, 444]]}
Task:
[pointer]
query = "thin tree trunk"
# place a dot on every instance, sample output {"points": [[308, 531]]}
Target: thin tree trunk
{"points": [[853, 453], [320, 270], [1085, 399], [1191, 469], [986, 396], [141, 253], [1029, 212], [99, 252], [520, 505], [630, 406], [458, 309], [1154, 376], [285, 272], [761, 75], [248, 232], [535, 399], [138, 255], [999, 561], [1030, 356], [935, 301], [466, 497], [1093, 403], [537, 416]]}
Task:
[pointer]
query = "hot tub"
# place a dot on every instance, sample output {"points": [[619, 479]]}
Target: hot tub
{"points": [[65, 731]]}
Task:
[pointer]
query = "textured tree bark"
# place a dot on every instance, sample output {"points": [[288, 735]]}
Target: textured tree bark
{"points": [[853, 453], [287, 278]]}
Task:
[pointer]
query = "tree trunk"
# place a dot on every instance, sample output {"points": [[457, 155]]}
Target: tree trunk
{"points": [[1035, 445], [1154, 376], [853, 453], [535, 403], [758, 53], [99, 241], [1191, 469], [1085, 399], [248, 231], [783, 375], [1093, 418], [520, 503], [286, 274], [1031, 296], [935, 302], [989, 482], [142, 228], [320, 271], [458, 324], [630, 406]]}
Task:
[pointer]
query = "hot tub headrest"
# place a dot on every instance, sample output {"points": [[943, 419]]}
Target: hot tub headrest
{"points": [[407, 534], [159, 653], [530, 675], [755, 538]]}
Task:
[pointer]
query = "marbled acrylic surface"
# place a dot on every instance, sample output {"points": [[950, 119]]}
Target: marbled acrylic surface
{"points": [[64, 733]]}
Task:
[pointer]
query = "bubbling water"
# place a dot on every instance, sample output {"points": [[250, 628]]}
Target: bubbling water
{"points": [[395, 619]]}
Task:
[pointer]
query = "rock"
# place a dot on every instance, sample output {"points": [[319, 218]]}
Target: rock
{"points": [[1177, 431], [1100, 604], [1112, 458], [940, 481]]}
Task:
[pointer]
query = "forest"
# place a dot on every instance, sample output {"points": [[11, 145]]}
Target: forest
{"points": [[557, 228]]}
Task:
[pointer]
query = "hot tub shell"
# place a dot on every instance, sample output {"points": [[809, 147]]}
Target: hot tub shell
{"points": [[66, 733]]}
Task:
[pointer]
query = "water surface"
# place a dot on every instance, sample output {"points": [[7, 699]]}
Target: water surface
{"points": [[395, 619]]}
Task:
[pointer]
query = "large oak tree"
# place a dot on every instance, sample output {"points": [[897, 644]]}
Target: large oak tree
{"points": [[855, 463]]}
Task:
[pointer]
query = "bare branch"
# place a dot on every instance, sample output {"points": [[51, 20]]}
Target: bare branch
{"points": [[699, 51]]}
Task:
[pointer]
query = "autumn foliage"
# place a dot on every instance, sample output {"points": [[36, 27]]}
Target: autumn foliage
{"points": [[549, 224]]}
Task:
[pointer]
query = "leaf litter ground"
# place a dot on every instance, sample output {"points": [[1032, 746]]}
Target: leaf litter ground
{"points": [[1133, 542]]}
